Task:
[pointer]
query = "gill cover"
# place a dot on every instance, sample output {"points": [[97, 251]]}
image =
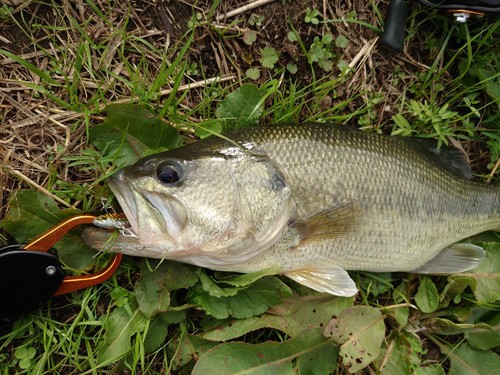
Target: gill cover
{"points": [[173, 203]]}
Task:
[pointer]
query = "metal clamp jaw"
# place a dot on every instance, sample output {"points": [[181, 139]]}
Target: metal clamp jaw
{"points": [[31, 274]]}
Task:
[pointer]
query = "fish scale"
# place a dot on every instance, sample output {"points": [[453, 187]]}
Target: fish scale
{"points": [[421, 192], [310, 201]]}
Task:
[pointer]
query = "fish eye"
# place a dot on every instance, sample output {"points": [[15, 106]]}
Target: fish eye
{"points": [[168, 173]]}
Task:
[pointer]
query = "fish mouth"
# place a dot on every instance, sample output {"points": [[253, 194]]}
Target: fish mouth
{"points": [[126, 200], [152, 215]]}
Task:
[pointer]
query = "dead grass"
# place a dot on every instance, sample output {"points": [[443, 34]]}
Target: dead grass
{"points": [[69, 61], [95, 59]]}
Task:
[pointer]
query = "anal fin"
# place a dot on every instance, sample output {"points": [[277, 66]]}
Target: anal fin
{"points": [[456, 258], [333, 280]]}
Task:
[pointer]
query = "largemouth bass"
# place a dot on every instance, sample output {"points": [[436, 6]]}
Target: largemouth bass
{"points": [[309, 201]]}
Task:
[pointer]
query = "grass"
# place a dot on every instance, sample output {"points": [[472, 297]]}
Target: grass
{"points": [[61, 66]]}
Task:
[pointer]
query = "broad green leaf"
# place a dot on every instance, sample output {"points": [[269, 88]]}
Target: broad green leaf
{"points": [[293, 316], [399, 313], [310, 352], [112, 142], [158, 329], [486, 337], [454, 288], [253, 300], [258, 297], [396, 357], [427, 298], [323, 360], [152, 296], [292, 37], [444, 326], [184, 348], [243, 280], [214, 306], [269, 57], [208, 128], [173, 275], [158, 278], [121, 325], [481, 335], [214, 289], [292, 68], [341, 41], [375, 283], [132, 132], [241, 108], [487, 275], [489, 236], [226, 285], [32, 213], [436, 369], [465, 360], [249, 36], [360, 331], [491, 84], [253, 73]]}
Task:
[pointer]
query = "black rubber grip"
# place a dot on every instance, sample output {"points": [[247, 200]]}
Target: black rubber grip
{"points": [[486, 6], [395, 23]]}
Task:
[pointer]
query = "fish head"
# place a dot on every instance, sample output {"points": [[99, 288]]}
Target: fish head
{"points": [[226, 205]]}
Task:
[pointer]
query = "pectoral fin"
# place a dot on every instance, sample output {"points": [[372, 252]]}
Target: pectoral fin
{"points": [[333, 280], [327, 224], [458, 257]]}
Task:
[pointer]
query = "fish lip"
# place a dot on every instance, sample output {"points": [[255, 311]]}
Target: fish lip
{"points": [[168, 213], [125, 197]]}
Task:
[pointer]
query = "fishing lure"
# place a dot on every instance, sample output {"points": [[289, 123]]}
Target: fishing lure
{"points": [[114, 221]]}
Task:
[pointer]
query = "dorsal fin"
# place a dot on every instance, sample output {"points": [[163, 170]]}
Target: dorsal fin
{"points": [[447, 157]]}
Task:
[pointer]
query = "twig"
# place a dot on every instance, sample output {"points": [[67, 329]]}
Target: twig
{"points": [[30, 163], [21, 176], [5, 40], [30, 55], [227, 28], [497, 164], [361, 57], [364, 52], [243, 9], [66, 130], [181, 88], [199, 84]]}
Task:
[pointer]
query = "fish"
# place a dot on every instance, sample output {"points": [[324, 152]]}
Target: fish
{"points": [[308, 201]]}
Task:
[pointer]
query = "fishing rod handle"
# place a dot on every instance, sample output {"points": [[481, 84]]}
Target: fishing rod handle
{"points": [[395, 22]]}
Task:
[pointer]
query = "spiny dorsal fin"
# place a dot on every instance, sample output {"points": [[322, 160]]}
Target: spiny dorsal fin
{"points": [[327, 224], [447, 157], [455, 258]]}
